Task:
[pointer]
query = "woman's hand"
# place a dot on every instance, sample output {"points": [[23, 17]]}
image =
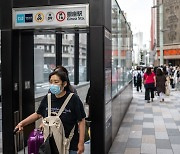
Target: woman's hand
{"points": [[19, 127], [80, 148], [81, 136], [41, 126], [30, 119]]}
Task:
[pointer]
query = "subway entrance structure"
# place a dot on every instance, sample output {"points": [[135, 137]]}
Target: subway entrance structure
{"points": [[21, 19]]}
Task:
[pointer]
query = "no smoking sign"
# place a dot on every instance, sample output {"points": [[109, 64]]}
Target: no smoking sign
{"points": [[60, 16]]}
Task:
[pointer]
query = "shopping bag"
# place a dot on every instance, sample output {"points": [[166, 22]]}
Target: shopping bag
{"points": [[167, 91], [167, 88]]}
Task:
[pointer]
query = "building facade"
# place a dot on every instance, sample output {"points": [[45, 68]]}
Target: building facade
{"points": [[171, 16], [170, 31]]}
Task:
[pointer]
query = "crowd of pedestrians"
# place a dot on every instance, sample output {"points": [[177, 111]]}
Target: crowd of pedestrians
{"points": [[157, 81]]}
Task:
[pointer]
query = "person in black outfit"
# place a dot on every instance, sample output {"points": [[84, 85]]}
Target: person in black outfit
{"points": [[139, 79], [160, 83], [73, 113]]}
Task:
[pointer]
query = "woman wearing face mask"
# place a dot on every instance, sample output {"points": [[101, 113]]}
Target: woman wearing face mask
{"points": [[73, 113], [63, 69]]}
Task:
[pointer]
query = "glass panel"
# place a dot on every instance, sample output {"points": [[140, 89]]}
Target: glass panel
{"points": [[115, 43], [129, 56], [125, 51], [82, 57], [68, 54], [120, 52], [44, 62], [121, 49]]}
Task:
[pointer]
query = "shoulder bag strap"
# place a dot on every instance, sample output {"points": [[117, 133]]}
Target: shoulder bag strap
{"points": [[64, 104], [49, 104], [71, 133]]}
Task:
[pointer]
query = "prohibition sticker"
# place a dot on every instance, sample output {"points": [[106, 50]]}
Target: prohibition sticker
{"points": [[49, 16], [39, 17], [60, 16]]}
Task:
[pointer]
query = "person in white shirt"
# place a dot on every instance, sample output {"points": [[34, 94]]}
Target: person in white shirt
{"points": [[176, 78]]}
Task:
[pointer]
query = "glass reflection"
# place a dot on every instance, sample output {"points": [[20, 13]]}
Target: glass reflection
{"points": [[121, 49]]}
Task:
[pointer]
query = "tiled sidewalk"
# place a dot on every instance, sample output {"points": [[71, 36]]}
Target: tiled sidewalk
{"points": [[152, 128]]}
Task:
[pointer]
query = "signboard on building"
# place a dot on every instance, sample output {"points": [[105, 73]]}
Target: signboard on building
{"points": [[63, 16], [171, 17]]}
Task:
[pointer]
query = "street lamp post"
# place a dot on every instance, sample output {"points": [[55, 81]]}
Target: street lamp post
{"points": [[161, 34], [161, 31]]}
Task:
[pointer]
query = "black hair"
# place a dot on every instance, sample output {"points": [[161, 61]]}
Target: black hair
{"points": [[63, 76], [61, 68], [164, 70], [148, 71], [159, 72], [155, 68], [138, 68]]}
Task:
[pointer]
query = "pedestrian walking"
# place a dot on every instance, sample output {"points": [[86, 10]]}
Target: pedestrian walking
{"points": [[160, 83], [149, 84], [177, 78], [139, 76], [72, 114], [134, 77]]}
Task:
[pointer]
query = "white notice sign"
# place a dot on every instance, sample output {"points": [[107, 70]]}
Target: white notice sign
{"points": [[65, 16]]}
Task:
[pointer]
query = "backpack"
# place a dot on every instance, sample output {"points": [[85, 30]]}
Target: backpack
{"points": [[139, 76], [53, 126]]}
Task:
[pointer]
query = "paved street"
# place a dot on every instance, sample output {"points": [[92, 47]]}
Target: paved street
{"points": [[152, 128]]}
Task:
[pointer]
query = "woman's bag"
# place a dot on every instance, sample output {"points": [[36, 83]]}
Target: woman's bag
{"points": [[167, 91], [167, 86], [54, 130]]}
